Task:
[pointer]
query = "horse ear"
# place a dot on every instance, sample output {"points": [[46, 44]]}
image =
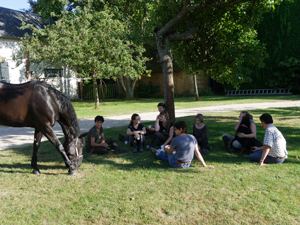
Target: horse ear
{"points": [[83, 135]]}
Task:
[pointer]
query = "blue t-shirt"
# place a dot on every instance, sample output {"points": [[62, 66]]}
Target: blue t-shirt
{"points": [[185, 147]]}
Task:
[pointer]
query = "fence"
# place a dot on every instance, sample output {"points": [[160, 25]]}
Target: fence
{"points": [[280, 91], [86, 92]]}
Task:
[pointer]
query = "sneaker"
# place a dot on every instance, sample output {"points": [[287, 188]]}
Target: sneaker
{"points": [[135, 150], [141, 150], [153, 151]]}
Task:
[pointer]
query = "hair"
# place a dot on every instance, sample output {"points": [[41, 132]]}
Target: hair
{"points": [[181, 124], [248, 115], [200, 117], [168, 121], [162, 104], [99, 118], [133, 117], [266, 117]]}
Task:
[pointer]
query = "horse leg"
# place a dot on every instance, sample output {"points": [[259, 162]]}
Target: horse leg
{"points": [[49, 133], [36, 144]]}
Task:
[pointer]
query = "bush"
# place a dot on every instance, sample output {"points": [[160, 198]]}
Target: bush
{"points": [[146, 90], [206, 92]]}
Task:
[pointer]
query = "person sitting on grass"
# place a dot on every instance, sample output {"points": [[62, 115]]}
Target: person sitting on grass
{"points": [[274, 148], [136, 131], [96, 143], [245, 134], [180, 152], [200, 133], [164, 131], [150, 131]]}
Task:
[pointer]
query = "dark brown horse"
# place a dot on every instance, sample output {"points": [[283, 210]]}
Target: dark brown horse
{"points": [[36, 104]]}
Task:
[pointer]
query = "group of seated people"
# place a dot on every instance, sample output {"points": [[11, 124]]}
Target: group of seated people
{"points": [[179, 148]]}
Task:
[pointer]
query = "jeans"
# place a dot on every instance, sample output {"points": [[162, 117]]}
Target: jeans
{"points": [[172, 162], [256, 156]]}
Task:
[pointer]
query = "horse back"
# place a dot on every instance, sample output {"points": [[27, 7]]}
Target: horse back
{"points": [[26, 105]]}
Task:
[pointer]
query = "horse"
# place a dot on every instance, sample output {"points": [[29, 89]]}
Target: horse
{"points": [[38, 105]]}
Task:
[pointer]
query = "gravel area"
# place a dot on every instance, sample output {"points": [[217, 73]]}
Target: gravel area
{"points": [[12, 137]]}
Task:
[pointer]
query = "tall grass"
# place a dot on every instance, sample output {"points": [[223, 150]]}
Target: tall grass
{"points": [[139, 189]]}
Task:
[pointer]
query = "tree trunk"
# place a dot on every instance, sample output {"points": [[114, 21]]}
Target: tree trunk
{"points": [[196, 88], [165, 58], [96, 95], [128, 86], [103, 97]]}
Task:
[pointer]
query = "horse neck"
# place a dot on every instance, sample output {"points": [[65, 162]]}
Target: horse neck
{"points": [[68, 131]]}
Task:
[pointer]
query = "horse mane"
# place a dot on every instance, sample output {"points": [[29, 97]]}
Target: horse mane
{"points": [[65, 105]]}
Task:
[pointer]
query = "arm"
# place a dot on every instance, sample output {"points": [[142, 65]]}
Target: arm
{"points": [[156, 124], [143, 131], [171, 133], [95, 144], [252, 135], [237, 125], [200, 158], [254, 149], [129, 132], [264, 154], [168, 149]]}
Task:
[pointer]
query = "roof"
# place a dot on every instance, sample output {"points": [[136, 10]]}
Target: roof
{"points": [[11, 22]]}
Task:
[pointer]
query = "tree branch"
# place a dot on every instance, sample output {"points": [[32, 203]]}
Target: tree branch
{"points": [[187, 8], [182, 37]]}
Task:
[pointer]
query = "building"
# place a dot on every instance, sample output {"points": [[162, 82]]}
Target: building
{"points": [[62, 78]]}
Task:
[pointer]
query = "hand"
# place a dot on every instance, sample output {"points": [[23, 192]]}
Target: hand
{"points": [[104, 145], [241, 135], [254, 149], [136, 134], [166, 147], [261, 163], [242, 115], [209, 166]]}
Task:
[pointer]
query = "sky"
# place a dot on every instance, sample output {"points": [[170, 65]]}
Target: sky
{"points": [[14, 4]]}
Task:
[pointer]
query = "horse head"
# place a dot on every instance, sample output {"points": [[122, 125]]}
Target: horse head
{"points": [[74, 151]]}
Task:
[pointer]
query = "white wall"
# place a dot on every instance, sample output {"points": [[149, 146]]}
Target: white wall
{"points": [[67, 84], [8, 47]]}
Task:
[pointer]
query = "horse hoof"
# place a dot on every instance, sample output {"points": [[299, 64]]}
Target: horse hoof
{"points": [[72, 172], [36, 172]]}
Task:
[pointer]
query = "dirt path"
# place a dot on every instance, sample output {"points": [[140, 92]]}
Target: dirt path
{"points": [[11, 137]]}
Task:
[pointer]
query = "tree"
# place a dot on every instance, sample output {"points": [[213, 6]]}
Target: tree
{"points": [[91, 42], [133, 13], [214, 37]]}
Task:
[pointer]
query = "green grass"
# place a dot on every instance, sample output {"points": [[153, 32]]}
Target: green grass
{"points": [[138, 189], [114, 107]]}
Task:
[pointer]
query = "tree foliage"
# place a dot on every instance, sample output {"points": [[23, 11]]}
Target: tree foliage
{"points": [[214, 37], [280, 32], [93, 43]]}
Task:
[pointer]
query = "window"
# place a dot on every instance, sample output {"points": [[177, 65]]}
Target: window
{"points": [[4, 74], [53, 72]]}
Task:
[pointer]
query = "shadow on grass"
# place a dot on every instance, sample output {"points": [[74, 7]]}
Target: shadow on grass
{"points": [[217, 125]]}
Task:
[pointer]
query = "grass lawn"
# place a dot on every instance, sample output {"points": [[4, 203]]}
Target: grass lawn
{"points": [[115, 107], [138, 189]]}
